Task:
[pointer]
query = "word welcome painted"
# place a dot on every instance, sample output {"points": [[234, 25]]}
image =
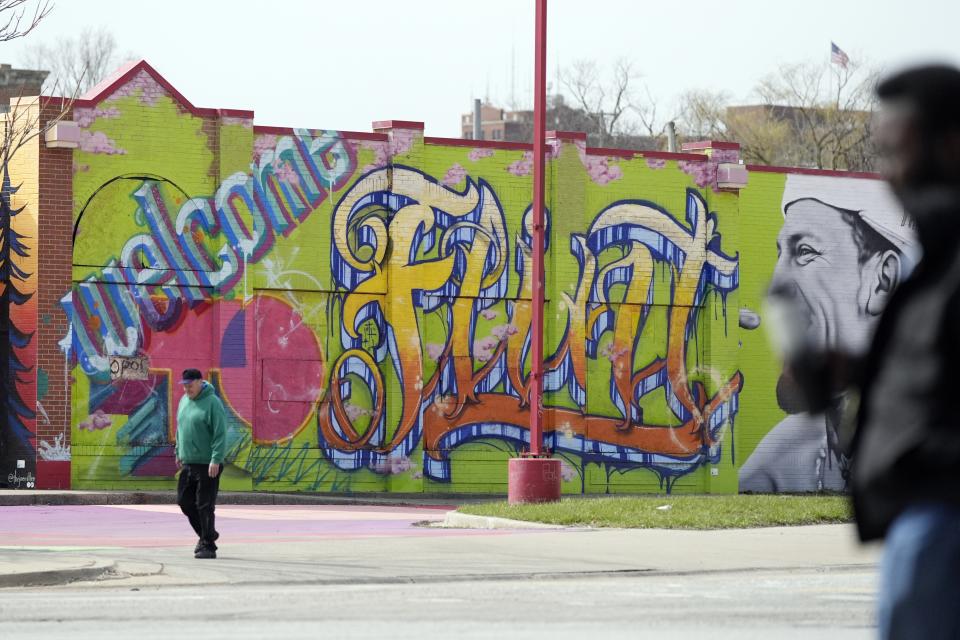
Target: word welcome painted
{"points": [[286, 184]]}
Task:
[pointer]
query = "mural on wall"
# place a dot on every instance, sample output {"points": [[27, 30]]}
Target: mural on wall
{"points": [[421, 344], [459, 346], [17, 351], [363, 308], [844, 246], [361, 304]]}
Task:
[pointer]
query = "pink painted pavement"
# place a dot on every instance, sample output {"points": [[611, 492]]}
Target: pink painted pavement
{"points": [[164, 525]]}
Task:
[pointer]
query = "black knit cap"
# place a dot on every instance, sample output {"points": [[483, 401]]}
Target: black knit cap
{"points": [[189, 375]]}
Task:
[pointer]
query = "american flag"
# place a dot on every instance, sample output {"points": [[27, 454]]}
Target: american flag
{"points": [[837, 56]]}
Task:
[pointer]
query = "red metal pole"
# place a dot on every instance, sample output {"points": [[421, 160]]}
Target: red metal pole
{"points": [[539, 149], [534, 477]]}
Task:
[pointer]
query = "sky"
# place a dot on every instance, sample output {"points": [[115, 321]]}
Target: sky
{"points": [[342, 64]]}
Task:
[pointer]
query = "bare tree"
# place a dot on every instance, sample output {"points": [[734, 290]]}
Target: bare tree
{"points": [[807, 115], [12, 13], [76, 64], [615, 112], [831, 109], [701, 114]]}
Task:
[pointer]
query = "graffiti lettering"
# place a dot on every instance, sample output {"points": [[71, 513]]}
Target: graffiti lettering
{"points": [[18, 481], [124, 368], [288, 183], [448, 257]]}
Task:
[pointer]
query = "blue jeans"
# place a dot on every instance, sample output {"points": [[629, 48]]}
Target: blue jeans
{"points": [[920, 575]]}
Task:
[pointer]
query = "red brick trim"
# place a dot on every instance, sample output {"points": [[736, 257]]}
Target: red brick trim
{"points": [[123, 75], [397, 124], [235, 113], [608, 151], [671, 155], [481, 144], [349, 135]]}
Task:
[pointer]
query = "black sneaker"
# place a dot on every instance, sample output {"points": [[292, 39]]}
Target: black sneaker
{"points": [[199, 546], [204, 553]]}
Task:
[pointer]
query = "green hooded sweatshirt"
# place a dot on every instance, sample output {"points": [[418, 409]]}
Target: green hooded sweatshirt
{"points": [[201, 428]]}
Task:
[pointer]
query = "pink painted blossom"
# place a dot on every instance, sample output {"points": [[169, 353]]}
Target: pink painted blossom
{"points": [[598, 167], [703, 172], [246, 123], [725, 155], [483, 348], [399, 464], [455, 175], [287, 173], [392, 465], [600, 170], [354, 411], [489, 314], [401, 140], [399, 143], [523, 166], [143, 84], [98, 142], [262, 144], [611, 353], [503, 331], [656, 163], [488, 343], [85, 117], [476, 154], [434, 351], [96, 421], [380, 154]]}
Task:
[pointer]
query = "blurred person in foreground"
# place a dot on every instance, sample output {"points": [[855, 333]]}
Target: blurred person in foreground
{"points": [[905, 444]]}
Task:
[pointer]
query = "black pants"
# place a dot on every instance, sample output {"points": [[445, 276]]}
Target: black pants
{"points": [[197, 497]]}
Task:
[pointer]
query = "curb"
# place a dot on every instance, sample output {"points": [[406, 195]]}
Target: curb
{"points": [[53, 577], [457, 520]]}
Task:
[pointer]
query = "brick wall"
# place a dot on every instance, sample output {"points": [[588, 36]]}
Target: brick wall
{"points": [[55, 259]]}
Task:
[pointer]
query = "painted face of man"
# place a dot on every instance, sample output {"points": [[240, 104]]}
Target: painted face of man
{"points": [[819, 271], [818, 268]]}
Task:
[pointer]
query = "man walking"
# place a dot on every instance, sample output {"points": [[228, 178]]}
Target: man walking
{"points": [[906, 446], [201, 446], [906, 474]]}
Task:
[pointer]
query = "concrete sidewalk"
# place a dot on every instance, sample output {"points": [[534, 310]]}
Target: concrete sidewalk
{"points": [[20, 497], [352, 548]]}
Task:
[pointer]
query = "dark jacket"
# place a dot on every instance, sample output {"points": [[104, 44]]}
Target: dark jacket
{"points": [[906, 447], [201, 428]]}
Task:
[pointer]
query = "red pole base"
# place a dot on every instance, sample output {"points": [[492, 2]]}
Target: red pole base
{"points": [[533, 480]]}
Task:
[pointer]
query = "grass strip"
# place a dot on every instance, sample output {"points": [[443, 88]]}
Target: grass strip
{"points": [[677, 512]]}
